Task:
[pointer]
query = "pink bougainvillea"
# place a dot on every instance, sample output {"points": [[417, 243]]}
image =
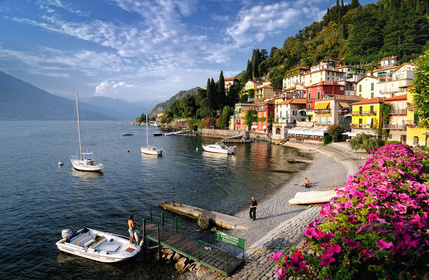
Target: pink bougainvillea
{"points": [[376, 228]]}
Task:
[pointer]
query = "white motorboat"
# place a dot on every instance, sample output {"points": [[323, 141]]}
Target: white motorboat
{"points": [[150, 150], [84, 162], [97, 245], [219, 147]]}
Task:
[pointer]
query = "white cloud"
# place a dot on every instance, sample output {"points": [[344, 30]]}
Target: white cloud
{"points": [[261, 21], [111, 88]]}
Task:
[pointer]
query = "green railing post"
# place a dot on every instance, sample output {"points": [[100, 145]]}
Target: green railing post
{"points": [[198, 250], [159, 243], [175, 222], [226, 263], [162, 219], [150, 215], [144, 228]]}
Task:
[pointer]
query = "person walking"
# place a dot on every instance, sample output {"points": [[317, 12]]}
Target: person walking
{"points": [[252, 211]]}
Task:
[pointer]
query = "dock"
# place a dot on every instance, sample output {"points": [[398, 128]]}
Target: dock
{"points": [[199, 251], [221, 220]]}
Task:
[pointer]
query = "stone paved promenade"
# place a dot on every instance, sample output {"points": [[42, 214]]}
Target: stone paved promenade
{"points": [[332, 164]]}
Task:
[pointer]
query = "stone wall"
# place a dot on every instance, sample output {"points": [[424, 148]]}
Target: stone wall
{"points": [[219, 133]]}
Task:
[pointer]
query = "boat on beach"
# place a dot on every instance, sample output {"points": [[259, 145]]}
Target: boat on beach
{"points": [[219, 147], [84, 161], [313, 197], [97, 245], [150, 150]]}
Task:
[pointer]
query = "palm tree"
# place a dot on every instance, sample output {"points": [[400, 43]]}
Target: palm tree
{"points": [[365, 142]]}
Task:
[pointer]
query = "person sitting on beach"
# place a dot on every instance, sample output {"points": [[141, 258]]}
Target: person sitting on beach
{"points": [[306, 184]]}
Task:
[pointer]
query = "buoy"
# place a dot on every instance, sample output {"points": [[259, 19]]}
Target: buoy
{"points": [[60, 163], [128, 151], [196, 149]]}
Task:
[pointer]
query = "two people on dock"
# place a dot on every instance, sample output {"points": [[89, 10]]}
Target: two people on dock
{"points": [[252, 211], [306, 184]]}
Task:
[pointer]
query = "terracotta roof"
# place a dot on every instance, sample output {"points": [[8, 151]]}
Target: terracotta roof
{"points": [[293, 101], [369, 101], [230, 79], [302, 68], [346, 98], [396, 98], [389, 57]]}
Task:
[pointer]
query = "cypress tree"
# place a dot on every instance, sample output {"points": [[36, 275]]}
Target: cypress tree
{"points": [[249, 71], [221, 90]]}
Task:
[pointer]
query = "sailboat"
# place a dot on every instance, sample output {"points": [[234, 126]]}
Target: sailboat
{"points": [[150, 150], [84, 162]]}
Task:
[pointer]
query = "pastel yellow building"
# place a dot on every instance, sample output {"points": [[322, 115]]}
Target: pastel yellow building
{"points": [[415, 135], [366, 114]]}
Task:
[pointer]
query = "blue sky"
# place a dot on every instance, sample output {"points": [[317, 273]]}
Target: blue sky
{"points": [[141, 50]]}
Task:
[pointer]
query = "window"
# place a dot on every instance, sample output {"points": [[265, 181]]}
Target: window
{"points": [[372, 95], [341, 118], [309, 107], [360, 122], [318, 95], [294, 112], [360, 110], [278, 130], [309, 95], [360, 88], [371, 109], [372, 86], [415, 140]]}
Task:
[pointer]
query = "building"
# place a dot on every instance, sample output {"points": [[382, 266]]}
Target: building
{"points": [[368, 87], [415, 134], [229, 82], [265, 111], [389, 60], [396, 83], [366, 115], [238, 121], [322, 90], [265, 92], [397, 118]]}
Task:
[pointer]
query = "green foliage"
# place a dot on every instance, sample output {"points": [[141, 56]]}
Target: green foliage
{"points": [[327, 139], [365, 142], [142, 118], [334, 131], [224, 118], [250, 117], [421, 90]]}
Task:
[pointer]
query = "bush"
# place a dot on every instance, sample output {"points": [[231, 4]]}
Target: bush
{"points": [[376, 228], [393, 142]]}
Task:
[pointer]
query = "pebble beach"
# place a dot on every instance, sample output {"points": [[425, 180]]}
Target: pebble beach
{"points": [[280, 225]]}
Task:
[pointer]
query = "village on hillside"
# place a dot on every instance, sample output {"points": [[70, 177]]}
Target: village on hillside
{"points": [[330, 94]]}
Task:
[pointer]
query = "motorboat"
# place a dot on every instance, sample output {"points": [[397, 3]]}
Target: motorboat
{"points": [[150, 150], [127, 134], [84, 161], [97, 245], [219, 147], [158, 133]]}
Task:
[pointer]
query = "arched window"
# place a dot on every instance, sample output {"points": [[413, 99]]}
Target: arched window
{"points": [[278, 130], [415, 140]]}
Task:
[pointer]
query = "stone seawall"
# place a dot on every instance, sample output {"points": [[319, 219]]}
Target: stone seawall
{"points": [[224, 133]]}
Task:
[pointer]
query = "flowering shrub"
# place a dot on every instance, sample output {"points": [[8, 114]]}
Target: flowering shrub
{"points": [[376, 228]]}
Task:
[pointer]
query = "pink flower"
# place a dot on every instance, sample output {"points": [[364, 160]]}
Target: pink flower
{"points": [[297, 262], [281, 272], [383, 244], [276, 256], [326, 259]]}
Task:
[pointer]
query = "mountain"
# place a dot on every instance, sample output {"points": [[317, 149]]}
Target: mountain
{"points": [[118, 109], [22, 101], [159, 108]]}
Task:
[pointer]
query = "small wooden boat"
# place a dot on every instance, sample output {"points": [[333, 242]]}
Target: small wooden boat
{"points": [[313, 197], [97, 245]]}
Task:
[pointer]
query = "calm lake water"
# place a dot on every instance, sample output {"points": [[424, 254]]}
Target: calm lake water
{"points": [[40, 198]]}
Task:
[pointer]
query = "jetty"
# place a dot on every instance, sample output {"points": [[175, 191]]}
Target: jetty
{"points": [[221, 220], [199, 251]]}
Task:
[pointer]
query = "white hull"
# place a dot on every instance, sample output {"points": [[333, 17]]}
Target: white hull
{"points": [[151, 151], [86, 165], [219, 148], [313, 197], [99, 246]]}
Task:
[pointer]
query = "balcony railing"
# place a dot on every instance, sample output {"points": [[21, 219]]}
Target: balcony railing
{"points": [[398, 112], [365, 113], [395, 126], [322, 111], [364, 126]]}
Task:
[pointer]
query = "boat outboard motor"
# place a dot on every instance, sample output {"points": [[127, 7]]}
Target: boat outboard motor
{"points": [[66, 233]]}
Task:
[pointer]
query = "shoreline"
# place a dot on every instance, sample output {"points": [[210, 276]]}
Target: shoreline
{"points": [[280, 225]]}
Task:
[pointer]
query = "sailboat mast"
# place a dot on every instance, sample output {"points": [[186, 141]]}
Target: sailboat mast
{"points": [[78, 127], [147, 134]]}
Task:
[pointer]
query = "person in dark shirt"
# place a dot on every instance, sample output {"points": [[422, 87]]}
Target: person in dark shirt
{"points": [[252, 211]]}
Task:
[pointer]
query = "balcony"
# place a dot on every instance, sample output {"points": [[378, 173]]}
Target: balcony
{"points": [[398, 112], [364, 113], [412, 123], [361, 125], [322, 111], [395, 126]]}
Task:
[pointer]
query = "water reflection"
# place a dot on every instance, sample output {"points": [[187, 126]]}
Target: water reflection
{"points": [[86, 176], [218, 158]]}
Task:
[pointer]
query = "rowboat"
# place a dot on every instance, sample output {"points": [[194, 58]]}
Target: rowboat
{"points": [[313, 197]]}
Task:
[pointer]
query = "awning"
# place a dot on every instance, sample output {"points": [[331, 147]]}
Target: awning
{"points": [[264, 127], [321, 105], [344, 105], [313, 131], [306, 116]]}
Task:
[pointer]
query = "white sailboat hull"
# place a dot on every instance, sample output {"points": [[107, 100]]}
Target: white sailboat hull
{"points": [[86, 165], [151, 151], [98, 246]]}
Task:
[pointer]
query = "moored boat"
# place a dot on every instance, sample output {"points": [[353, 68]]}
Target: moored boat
{"points": [[150, 150], [97, 245], [219, 147]]}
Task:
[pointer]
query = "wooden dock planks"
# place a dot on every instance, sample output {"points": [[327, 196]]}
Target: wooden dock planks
{"points": [[189, 248]]}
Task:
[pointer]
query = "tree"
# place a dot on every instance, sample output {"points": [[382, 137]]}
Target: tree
{"points": [[365, 142], [224, 117], [250, 117], [334, 131], [420, 90], [221, 96], [142, 118]]}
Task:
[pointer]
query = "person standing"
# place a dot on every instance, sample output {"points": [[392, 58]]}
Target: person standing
{"points": [[131, 227], [252, 211]]}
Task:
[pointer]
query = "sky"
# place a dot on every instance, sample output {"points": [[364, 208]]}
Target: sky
{"points": [[142, 50]]}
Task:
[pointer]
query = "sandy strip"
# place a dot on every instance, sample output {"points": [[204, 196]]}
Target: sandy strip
{"points": [[330, 169]]}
